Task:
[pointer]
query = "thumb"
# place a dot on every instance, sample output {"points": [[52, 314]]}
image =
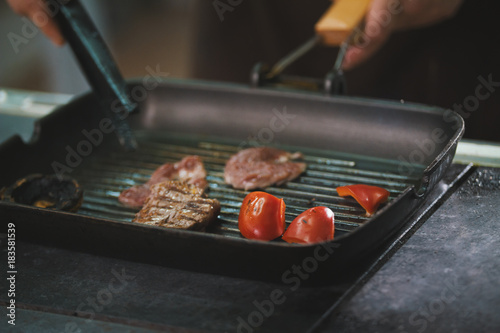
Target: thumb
{"points": [[35, 10], [377, 29], [359, 53], [47, 26]]}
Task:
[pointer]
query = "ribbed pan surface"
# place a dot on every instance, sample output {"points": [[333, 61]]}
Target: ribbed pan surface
{"points": [[109, 173]]}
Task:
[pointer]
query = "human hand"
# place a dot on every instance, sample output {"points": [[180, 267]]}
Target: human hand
{"points": [[38, 12], [387, 16]]}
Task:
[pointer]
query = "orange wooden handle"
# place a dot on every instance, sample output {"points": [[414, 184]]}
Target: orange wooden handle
{"points": [[340, 20]]}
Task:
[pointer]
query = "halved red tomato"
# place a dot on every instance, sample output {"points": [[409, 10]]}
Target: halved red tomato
{"points": [[262, 216], [314, 225], [369, 197]]}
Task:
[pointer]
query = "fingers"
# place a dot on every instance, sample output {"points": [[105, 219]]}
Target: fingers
{"points": [[36, 11], [51, 30], [379, 22], [386, 16], [356, 55], [419, 14]]}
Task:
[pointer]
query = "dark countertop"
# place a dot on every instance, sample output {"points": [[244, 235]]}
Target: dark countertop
{"points": [[439, 274], [446, 278]]}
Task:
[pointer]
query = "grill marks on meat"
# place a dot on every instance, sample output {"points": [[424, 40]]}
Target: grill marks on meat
{"points": [[190, 170], [173, 197], [261, 167], [175, 204]]}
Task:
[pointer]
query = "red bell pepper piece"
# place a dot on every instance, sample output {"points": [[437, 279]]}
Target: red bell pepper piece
{"points": [[369, 197], [262, 216], [316, 224]]}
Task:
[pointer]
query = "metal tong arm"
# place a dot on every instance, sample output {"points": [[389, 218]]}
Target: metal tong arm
{"points": [[339, 26], [99, 67]]}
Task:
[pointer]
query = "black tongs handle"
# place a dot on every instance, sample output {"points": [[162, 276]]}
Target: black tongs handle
{"points": [[99, 68]]}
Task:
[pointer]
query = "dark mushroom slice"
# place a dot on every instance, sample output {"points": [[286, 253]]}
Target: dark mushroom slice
{"points": [[46, 191]]}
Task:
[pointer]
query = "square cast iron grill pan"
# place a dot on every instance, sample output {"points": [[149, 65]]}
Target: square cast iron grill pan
{"points": [[344, 140]]}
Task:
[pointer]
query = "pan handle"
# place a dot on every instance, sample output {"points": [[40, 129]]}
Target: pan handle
{"points": [[99, 68]]}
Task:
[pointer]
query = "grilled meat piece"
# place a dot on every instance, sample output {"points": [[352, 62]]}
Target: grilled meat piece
{"points": [[175, 204], [190, 169], [261, 167], [134, 196]]}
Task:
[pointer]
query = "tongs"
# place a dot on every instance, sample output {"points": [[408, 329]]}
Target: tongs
{"points": [[99, 68], [340, 26]]}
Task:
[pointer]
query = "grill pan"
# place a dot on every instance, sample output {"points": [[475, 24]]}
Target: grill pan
{"points": [[403, 147], [344, 140]]}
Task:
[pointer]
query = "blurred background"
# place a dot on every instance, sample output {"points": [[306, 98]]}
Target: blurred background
{"points": [[439, 65], [138, 35]]}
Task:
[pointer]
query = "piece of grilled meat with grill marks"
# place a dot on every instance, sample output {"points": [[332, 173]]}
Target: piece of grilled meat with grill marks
{"points": [[190, 169], [175, 204], [261, 167]]}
